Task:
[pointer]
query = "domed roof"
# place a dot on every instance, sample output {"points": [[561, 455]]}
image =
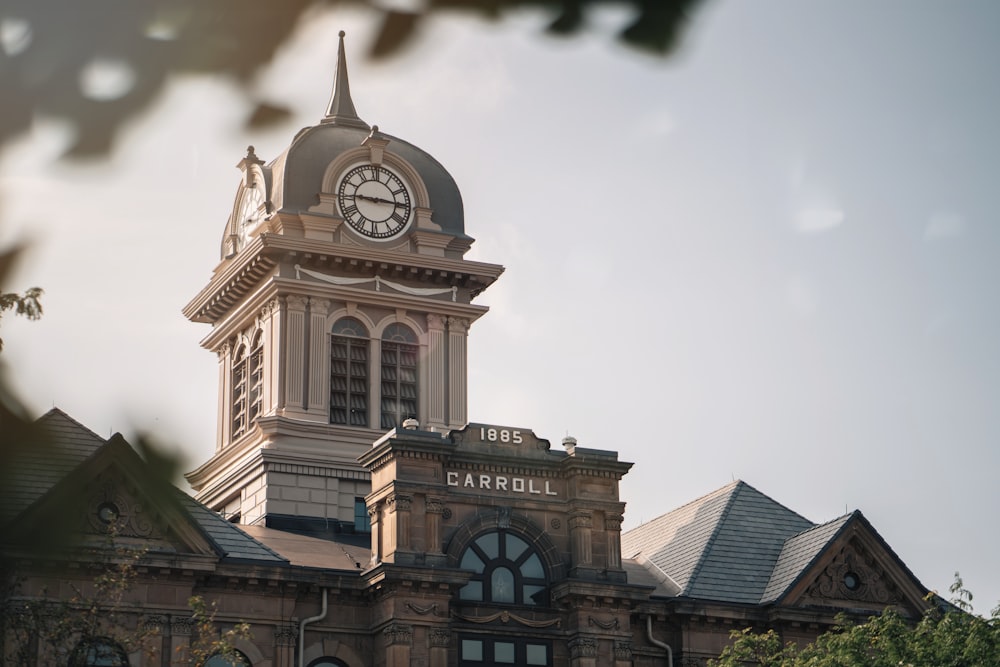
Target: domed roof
{"points": [[296, 176]]}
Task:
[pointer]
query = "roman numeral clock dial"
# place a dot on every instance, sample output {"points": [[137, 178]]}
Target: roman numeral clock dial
{"points": [[375, 201]]}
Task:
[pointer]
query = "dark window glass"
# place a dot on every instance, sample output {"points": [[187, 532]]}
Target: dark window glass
{"points": [[237, 659], [519, 651], [362, 522], [507, 570]]}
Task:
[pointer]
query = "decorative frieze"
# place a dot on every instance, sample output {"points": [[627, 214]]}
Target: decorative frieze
{"points": [[854, 576], [439, 637], [181, 626]]}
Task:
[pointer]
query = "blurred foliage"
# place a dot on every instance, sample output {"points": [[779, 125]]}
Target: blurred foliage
{"points": [[26, 304], [947, 635], [96, 64]]}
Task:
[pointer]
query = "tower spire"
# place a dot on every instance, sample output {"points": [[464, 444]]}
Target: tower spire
{"points": [[341, 110]]}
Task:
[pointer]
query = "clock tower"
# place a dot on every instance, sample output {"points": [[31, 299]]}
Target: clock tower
{"points": [[339, 310]]}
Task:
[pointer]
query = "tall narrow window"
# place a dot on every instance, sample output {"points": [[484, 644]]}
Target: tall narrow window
{"points": [[362, 522], [248, 384], [399, 375], [349, 373]]}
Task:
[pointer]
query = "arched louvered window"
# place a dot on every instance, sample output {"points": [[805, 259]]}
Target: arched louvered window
{"points": [[399, 375], [248, 384], [349, 373], [507, 570]]}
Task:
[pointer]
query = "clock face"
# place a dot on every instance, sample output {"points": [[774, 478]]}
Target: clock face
{"points": [[375, 201], [249, 214]]}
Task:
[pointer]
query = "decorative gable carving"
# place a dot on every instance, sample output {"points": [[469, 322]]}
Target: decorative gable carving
{"points": [[109, 502], [855, 575]]}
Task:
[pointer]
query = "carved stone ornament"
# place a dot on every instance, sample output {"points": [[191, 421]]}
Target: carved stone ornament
{"points": [[556, 524], [435, 322], [613, 624], [400, 503], [434, 505], [285, 635], [319, 306], [439, 637], [623, 650], [398, 633], [181, 626], [583, 647], [503, 517], [423, 611], [613, 522], [853, 575], [296, 302], [581, 519], [458, 324], [154, 623], [506, 617], [110, 508]]}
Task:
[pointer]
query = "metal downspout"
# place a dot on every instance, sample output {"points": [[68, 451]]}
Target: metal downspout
{"points": [[302, 630], [654, 642]]}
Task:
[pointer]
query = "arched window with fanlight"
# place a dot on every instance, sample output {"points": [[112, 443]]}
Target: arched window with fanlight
{"points": [[506, 570], [248, 384], [232, 658], [98, 652], [399, 375], [349, 373]]}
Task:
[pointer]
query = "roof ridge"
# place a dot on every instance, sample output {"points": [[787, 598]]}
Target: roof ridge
{"points": [[677, 509], [781, 505], [55, 412], [719, 522]]}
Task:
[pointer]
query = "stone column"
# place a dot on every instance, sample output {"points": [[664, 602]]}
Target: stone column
{"points": [[458, 334], [295, 352], [375, 520], [580, 524], [436, 369], [439, 638], [398, 642], [583, 652], [433, 516], [613, 526], [318, 366], [180, 637], [225, 427], [285, 637], [399, 505], [269, 326]]}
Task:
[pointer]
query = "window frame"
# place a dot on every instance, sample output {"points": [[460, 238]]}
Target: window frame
{"points": [[528, 590], [352, 334], [399, 381]]}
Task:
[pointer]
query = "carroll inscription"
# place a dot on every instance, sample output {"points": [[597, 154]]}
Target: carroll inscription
{"points": [[500, 483]]}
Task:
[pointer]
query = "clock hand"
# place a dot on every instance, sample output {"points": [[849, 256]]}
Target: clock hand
{"points": [[377, 200]]}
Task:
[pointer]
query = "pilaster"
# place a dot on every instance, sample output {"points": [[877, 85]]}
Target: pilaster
{"points": [[224, 427], [436, 370], [295, 352], [317, 366], [458, 333], [398, 642]]}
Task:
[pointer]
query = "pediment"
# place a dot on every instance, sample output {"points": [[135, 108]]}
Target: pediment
{"points": [[112, 492], [858, 571]]}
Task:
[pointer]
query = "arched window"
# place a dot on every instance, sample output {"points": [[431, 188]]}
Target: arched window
{"points": [[235, 659], [399, 375], [507, 570], [349, 373], [98, 652], [248, 384], [327, 662]]}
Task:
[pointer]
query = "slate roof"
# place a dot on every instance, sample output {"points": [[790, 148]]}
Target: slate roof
{"points": [[798, 554], [723, 546], [38, 466]]}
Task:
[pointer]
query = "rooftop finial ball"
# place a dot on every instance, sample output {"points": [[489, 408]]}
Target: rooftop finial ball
{"points": [[342, 33]]}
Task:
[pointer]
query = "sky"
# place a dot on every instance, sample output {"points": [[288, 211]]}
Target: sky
{"points": [[773, 257]]}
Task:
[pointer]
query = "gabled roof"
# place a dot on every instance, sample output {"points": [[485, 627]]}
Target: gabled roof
{"points": [[798, 554], [61, 444], [51, 473], [722, 546]]}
